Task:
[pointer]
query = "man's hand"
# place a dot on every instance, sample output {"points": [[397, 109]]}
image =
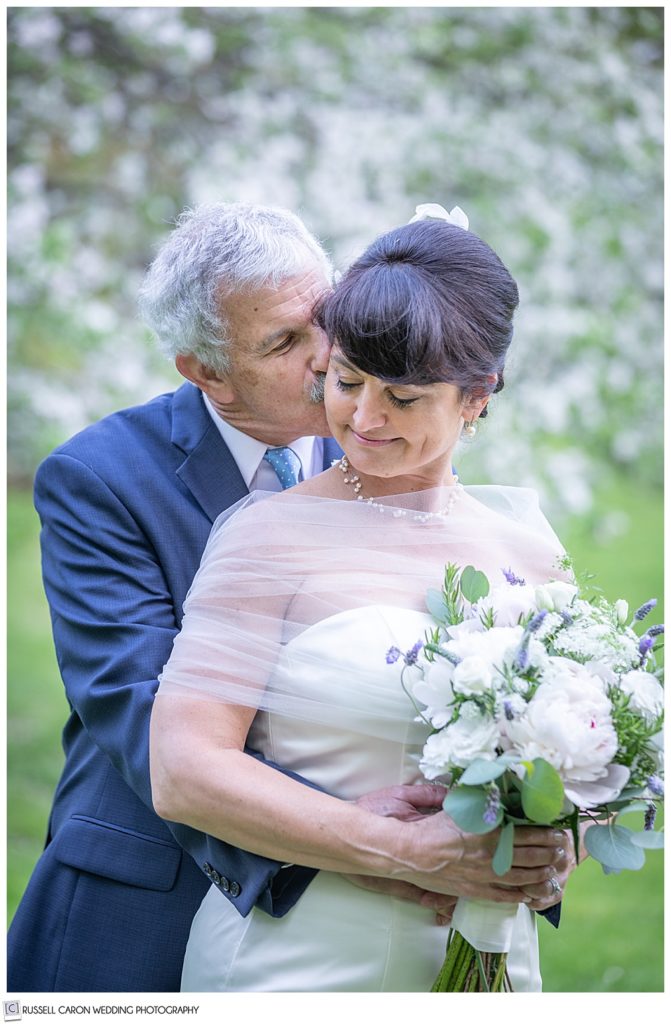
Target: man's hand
{"points": [[407, 803]]}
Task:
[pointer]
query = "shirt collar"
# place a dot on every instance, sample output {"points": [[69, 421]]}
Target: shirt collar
{"points": [[248, 451]]}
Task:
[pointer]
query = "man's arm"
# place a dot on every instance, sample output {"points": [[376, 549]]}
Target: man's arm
{"points": [[114, 622]]}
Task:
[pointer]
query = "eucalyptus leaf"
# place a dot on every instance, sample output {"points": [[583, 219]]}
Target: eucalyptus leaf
{"points": [[648, 840], [542, 792], [630, 806], [612, 846], [435, 602], [466, 805], [503, 855], [473, 584], [480, 771]]}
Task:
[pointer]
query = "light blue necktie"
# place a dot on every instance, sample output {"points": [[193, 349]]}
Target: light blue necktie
{"points": [[286, 464]]}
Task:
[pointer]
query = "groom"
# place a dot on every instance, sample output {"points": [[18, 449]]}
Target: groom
{"points": [[126, 507]]}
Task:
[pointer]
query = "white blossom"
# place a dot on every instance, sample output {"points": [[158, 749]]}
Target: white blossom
{"points": [[473, 735], [647, 694]]}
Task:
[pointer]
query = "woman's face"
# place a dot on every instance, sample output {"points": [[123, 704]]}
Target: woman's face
{"points": [[395, 430]]}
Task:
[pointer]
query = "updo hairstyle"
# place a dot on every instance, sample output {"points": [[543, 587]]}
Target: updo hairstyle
{"points": [[425, 303]]}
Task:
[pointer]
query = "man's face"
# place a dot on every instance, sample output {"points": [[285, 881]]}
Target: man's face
{"points": [[274, 388]]}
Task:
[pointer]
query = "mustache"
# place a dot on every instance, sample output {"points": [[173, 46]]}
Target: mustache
{"points": [[317, 389]]}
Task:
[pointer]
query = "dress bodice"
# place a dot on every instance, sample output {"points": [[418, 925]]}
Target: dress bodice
{"points": [[367, 739]]}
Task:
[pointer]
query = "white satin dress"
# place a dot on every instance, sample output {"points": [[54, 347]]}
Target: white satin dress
{"points": [[338, 937]]}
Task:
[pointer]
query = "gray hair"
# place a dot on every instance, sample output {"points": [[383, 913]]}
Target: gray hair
{"points": [[220, 249]]}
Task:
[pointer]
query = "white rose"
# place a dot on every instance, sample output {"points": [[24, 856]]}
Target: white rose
{"points": [[568, 723], [473, 675], [435, 691], [472, 735], [556, 595], [647, 694], [507, 604], [622, 612]]}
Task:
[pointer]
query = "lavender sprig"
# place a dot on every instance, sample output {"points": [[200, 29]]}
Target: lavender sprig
{"points": [[492, 807], [656, 786], [513, 580], [645, 609]]}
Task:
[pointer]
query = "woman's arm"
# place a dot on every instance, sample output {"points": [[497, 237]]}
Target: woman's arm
{"points": [[202, 777]]}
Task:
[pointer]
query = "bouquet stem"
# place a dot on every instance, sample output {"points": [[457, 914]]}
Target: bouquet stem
{"points": [[466, 969]]}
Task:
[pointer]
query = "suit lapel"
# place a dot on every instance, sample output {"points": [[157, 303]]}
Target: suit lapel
{"points": [[331, 451], [209, 470]]}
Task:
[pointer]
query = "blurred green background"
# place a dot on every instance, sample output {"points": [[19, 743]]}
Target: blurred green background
{"points": [[544, 124]]}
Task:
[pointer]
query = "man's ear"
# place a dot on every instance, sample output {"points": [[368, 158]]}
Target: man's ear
{"points": [[217, 388]]}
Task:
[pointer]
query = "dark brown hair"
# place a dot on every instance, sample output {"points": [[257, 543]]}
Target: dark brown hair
{"points": [[425, 303]]}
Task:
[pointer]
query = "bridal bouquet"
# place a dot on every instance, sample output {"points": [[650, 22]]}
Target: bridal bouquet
{"points": [[546, 709]]}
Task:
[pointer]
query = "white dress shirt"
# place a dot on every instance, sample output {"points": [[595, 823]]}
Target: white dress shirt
{"points": [[248, 454]]}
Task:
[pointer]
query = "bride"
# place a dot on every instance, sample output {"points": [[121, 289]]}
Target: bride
{"points": [[298, 598]]}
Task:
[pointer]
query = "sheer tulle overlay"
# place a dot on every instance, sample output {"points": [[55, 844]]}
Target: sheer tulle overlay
{"points": [[292, 611]]}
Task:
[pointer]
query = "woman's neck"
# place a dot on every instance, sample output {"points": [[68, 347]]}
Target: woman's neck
{"points": [[367, 486]]}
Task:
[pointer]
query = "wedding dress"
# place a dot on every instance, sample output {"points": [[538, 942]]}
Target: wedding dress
{"points": [[334, 711]]}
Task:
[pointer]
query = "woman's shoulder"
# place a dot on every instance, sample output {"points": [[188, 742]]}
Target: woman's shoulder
{"points": [[504, 498]]}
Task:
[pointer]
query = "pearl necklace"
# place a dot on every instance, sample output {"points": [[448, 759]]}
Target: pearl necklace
{"points": [[419, 517]]}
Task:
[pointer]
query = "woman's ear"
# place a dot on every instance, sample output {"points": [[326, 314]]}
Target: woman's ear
{"points": [[472, 407]]}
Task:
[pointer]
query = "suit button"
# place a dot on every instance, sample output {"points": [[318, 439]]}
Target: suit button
{"points": [[235, 889], [207, 869], [225, 884], [216, 877]]}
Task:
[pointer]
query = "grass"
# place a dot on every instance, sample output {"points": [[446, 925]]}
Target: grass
{"points": [[611, 935]]}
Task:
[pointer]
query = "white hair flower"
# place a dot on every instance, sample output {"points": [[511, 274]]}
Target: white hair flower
{"points": [[432, 211]]}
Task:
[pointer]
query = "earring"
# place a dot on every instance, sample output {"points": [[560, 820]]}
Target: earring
{"points": [[470, 429]]}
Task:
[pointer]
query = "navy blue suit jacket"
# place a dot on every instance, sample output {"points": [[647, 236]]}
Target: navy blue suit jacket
{"points": [[126, 508]]}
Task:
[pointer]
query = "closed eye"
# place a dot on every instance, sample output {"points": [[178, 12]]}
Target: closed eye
{"points": [[399, 403]]}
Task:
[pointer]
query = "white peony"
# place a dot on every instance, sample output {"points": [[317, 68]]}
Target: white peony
{"points": [[473, 675], [507, 604], [647, 694], [568, 723], [472, 735], [496, 645], [460, 629]]}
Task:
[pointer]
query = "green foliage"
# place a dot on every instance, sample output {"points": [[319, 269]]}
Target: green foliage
{"points": [[542, 792], [466, 805], [480, 771], [611, 845], [473, 584], [503, 855]]}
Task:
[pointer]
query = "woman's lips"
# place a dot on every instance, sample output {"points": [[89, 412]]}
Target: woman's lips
{"points": [[369, 442]]}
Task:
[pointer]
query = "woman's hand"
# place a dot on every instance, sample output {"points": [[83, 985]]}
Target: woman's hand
{"points": [[548, 893], [443, 858]]}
